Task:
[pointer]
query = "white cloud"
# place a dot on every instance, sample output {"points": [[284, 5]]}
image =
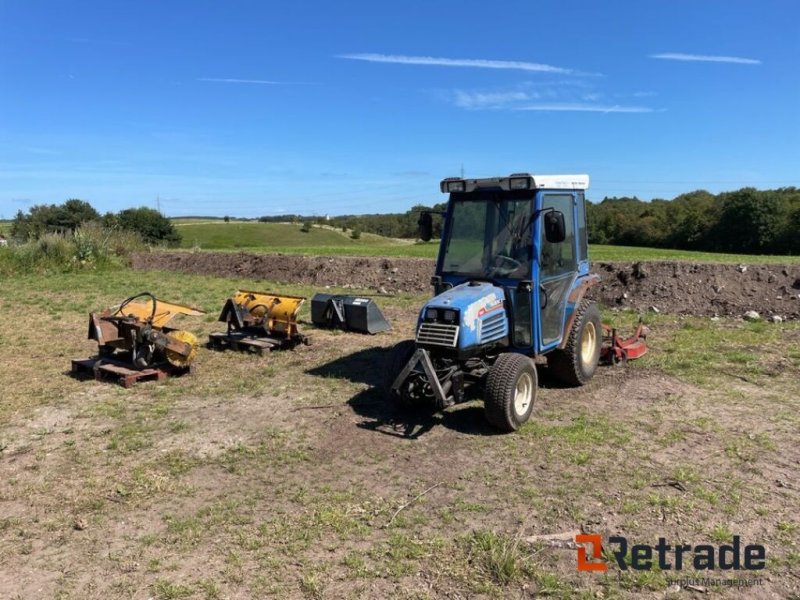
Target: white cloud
{"points": [[529, 97], [476, 63], [582, 107], [477, 100], [706, 58]]}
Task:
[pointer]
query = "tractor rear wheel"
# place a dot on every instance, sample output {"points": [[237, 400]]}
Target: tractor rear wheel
{"points": [[510, 391], [395, 363], [576, 363]]}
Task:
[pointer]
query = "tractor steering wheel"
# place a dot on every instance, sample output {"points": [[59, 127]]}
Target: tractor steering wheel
{"points": [[510, 263]]}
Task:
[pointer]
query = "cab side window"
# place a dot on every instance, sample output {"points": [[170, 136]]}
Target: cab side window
{"points": [[559, 259], [583, 241]]}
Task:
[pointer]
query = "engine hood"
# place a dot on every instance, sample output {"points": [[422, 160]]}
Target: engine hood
{"points": [[472, 299], [481, 315]]}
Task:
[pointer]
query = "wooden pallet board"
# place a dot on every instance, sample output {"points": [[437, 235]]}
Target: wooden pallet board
{"points": [[104, 369], [246, 343]]}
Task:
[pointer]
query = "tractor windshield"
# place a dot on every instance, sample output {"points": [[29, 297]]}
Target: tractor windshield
{"points": [[490, 235]]}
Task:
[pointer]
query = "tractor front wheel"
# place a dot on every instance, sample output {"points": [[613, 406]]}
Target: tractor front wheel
{"points": [[576, 363], [510, 391], [397, 360]]}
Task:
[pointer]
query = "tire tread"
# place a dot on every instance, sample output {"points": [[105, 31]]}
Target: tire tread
{"points": [[399, 355], [565, 363], [501, 383]]}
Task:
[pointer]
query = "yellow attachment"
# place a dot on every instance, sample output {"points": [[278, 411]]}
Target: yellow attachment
{"points": [[141, 309], [280, 311], [177, 359]]}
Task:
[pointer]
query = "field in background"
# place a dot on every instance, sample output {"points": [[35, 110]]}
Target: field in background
{"points": [[215, 234], [287, 238]]}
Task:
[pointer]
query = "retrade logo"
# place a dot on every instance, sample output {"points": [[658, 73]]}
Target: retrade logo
{"points": [[597, 552], [666, 557]]}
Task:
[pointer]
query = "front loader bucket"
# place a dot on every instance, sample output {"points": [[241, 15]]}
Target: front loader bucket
{"points": [[351, 313]]}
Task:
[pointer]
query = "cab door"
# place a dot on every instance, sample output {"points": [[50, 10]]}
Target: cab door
{"points": [[557, 269]]}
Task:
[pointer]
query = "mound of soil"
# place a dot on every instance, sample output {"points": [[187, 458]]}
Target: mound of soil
{"points": [[363, 273], [704, 289]]}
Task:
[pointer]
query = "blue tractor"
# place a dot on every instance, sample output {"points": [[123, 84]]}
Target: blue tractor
{"points": [[510, 284]]}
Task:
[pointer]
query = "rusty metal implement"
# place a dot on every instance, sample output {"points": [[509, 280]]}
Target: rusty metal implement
{"points": [[618, 351], [136, 332]]}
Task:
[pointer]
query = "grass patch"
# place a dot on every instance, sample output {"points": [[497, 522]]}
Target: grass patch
{"points": [[706, 352], [499, 557], [167, 590], [721, 534]]}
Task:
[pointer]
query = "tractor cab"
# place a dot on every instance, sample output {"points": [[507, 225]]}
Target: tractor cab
{"points": [[523, 235], [510, 279]]}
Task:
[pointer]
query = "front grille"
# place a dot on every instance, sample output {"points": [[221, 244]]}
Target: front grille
{"points": [[439, 334], [493, 328]]}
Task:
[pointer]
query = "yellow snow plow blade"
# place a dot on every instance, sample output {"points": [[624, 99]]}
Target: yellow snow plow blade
{"points": [[157, 313], [277, 315]]}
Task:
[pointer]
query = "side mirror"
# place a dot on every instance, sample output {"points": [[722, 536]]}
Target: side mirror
{"points": [[425, 226], [555, 231]]}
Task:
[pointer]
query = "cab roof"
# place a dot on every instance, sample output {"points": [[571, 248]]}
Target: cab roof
{"points": [[517, 181]]}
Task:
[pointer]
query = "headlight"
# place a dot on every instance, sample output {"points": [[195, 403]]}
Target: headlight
{"points": [[453, 184], [519, 183], [449, 316], [456, 186], [431, 314]]}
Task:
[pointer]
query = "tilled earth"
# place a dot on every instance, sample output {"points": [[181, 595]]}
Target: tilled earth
{"points": [[674, 287]]}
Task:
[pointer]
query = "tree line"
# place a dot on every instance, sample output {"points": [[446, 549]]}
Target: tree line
{"points": [[41, 219], [746, 221]]}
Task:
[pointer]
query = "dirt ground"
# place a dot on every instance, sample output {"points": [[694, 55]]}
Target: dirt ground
{"points": [[675, 287], [289, 475]]}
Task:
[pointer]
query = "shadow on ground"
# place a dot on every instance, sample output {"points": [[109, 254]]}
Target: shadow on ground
{"points": [[364, 366], [411, 423], [381, 416]]}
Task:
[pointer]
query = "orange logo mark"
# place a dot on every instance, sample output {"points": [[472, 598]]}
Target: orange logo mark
{"points": [[597, 552]]}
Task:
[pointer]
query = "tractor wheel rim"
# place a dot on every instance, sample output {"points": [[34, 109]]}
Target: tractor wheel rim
{"points": [[523, 394], [588, 344]]}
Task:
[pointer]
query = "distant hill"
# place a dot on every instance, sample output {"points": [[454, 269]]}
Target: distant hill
{"points": [[219, 235]]}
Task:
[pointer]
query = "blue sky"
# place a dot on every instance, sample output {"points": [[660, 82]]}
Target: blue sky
{"points": [[253, 108]]}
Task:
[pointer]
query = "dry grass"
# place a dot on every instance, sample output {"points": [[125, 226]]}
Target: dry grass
{"points": [[277, 475]]}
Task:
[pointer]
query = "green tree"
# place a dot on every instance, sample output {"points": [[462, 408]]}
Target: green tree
{"points": [[154, 227], [49, 218], [691, 218], [749, 221]]}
